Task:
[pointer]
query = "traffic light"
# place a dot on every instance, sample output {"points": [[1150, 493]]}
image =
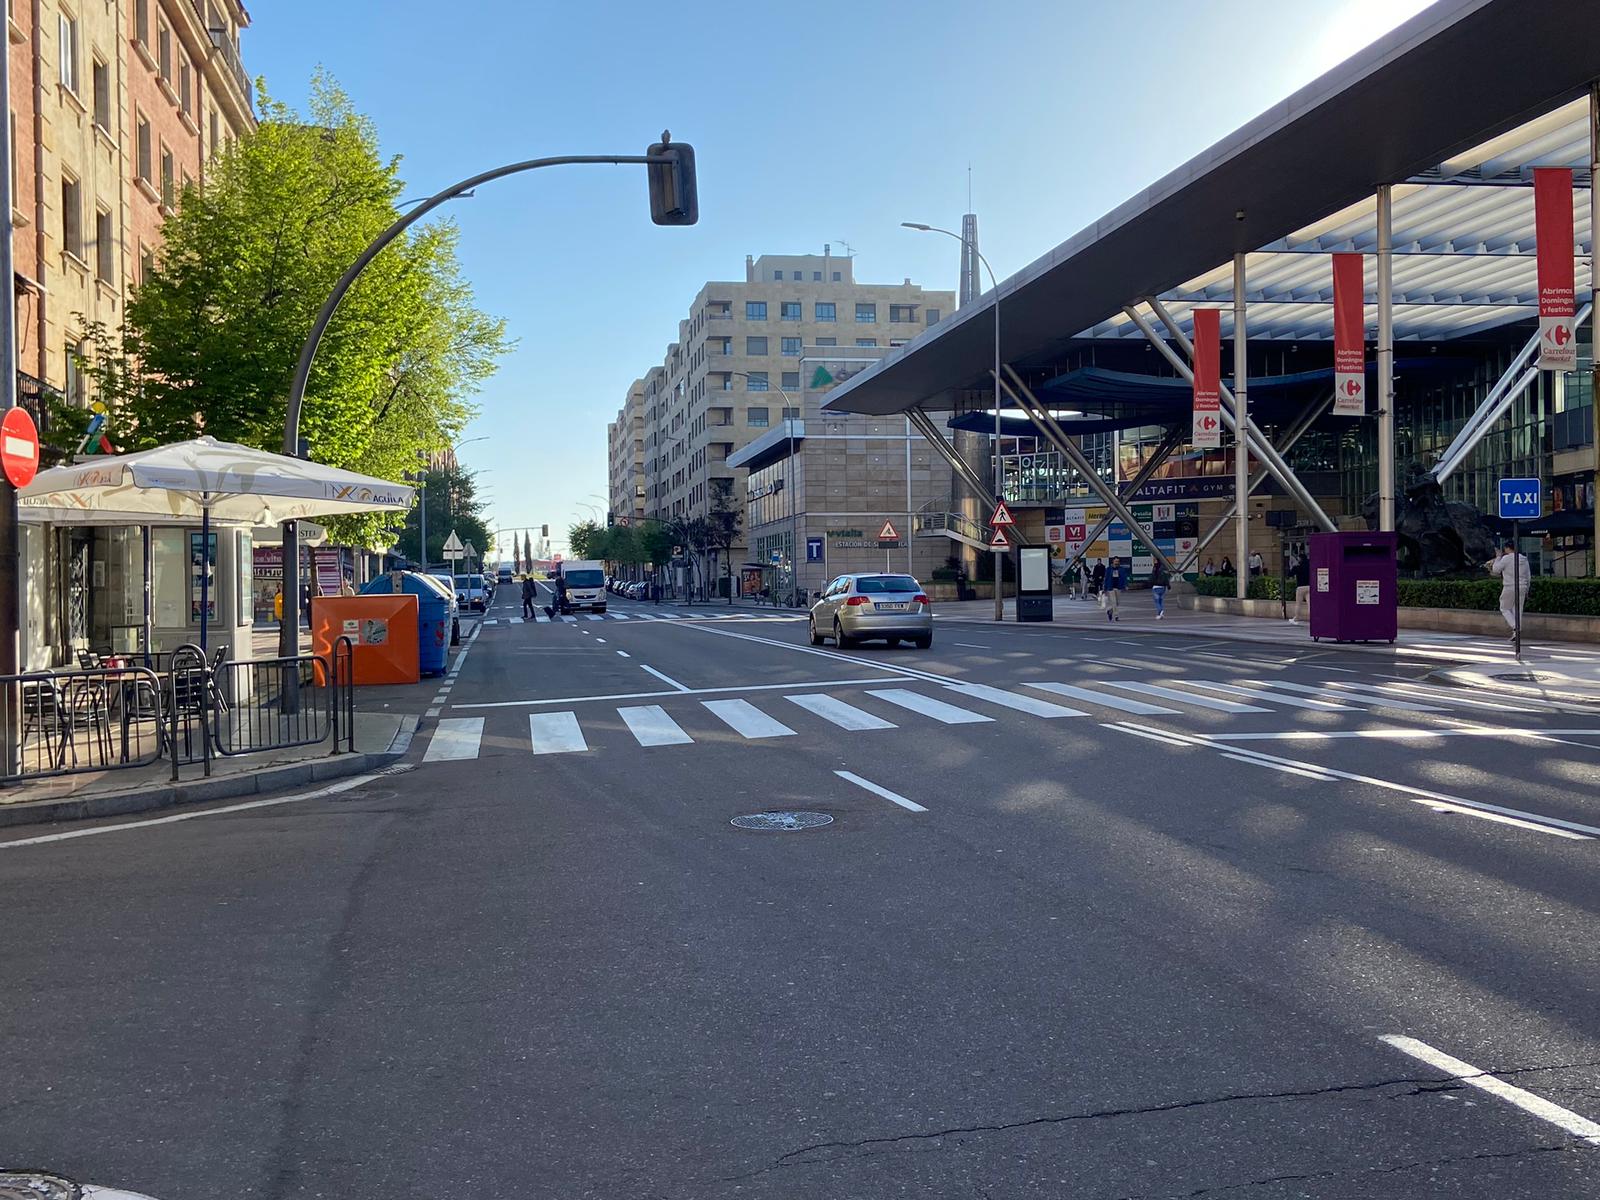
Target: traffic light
{"points": [[674, 197], [544, 531]]}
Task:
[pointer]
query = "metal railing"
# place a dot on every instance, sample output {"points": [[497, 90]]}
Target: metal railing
{"points": [[69, 722], [247, 710]]}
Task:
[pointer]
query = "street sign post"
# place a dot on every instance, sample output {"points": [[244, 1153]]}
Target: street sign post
{"points": [[814, 549], [1002, 515], [453, 549], [1520, 500]]}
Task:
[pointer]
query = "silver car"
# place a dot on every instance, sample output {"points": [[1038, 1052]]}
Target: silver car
{"points": [[856, 607]]}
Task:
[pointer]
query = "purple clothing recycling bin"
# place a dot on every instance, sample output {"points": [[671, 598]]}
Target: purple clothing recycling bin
{"points": [[1354, 587]]}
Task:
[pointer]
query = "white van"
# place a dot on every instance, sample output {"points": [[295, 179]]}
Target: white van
{"points": [[586, 585]]}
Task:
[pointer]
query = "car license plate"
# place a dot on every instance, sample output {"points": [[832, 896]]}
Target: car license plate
{"points": [[889, 607]]}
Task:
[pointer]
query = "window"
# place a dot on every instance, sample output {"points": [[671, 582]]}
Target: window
{"points": [[185, 85], [791, 414], [836, 277], [903, 313], [68, 49], [866, 342], [825, 310], [755, 345], [789, 310], [866, 314], [215, 133], [791, 347], [827, 341], [168, 186], [105, 247], [164, 50], [146, 163], [816, 277], [755, 310], [777, 276], [757, 381], [756, 418], [896, 343], [71, 216], [147, 263], [932, 316], [102, 95], [74, 388]]}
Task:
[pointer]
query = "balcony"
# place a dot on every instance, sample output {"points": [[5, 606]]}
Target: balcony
{"points": [[225, 51]]}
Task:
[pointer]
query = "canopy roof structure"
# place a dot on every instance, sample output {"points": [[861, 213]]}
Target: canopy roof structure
{"points": [[1453, 109]]}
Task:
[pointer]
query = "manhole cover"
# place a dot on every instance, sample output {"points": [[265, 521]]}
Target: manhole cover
{"points": [[1526, 677], [782, 822], [35, 1185]]}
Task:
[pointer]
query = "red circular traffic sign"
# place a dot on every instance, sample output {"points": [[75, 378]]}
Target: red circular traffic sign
{"points": [[19, 447]]}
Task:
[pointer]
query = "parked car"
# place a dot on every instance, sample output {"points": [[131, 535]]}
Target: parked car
{"points": [[857, 607], [471, 592]]}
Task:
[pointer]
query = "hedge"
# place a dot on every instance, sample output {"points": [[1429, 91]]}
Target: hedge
{"points": [[1546, 594]]}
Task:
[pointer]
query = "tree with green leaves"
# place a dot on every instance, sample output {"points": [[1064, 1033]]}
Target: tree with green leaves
{"points": [[583, 539], [722, 526], [212, 334], [451, 496]]}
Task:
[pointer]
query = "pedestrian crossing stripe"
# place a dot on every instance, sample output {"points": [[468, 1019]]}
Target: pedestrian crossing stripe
{"points": [[651, 725]]}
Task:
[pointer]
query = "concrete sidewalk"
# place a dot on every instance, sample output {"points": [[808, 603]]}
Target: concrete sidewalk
{"points": [[1568, 671]]}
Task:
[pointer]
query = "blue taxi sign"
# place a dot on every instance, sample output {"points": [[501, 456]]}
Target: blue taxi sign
{"points": [[1519, 499]]}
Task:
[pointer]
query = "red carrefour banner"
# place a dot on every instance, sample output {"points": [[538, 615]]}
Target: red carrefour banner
{"points": [[1207, 433], [1552, 223], [1349, 336]]}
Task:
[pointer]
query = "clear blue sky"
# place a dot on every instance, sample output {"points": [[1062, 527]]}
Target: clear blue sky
{"points": [[1063, 108]]}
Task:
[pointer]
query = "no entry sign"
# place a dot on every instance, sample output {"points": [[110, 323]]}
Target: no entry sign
{"points": [[19, 447]]}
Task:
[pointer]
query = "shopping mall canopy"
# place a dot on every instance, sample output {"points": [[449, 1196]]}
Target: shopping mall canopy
{"points": [[1453, 109]]}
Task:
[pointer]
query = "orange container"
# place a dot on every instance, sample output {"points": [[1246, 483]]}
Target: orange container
{"points": [[382, 631]]}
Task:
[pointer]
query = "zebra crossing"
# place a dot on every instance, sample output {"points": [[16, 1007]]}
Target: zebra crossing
{"points": [[914, 703], [541, 618]]}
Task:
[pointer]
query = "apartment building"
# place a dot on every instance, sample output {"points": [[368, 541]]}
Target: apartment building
{"points": [[625, 491], [734, 372]]}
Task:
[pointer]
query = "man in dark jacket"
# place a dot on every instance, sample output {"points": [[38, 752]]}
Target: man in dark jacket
{"points": [[530, 596], [1116, 581]]}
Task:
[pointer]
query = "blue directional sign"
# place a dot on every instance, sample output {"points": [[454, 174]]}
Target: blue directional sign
{"points": [[813, 549], [1519, 499], [777, 556]]}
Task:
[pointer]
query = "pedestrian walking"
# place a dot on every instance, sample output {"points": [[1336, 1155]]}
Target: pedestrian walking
{"points": [[277, 606], [1097, 577], [1159, 579], [1512, 568], [530, 596], [1302, 588], [1116, 581]]}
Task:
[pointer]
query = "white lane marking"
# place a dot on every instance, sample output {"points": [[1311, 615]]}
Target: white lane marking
{"points": [[515, 620], [1288, 768], [432, 712], [845, 716], [714, 691], [1153, 735], [1438, 801], [1138, 707], [618, 616], [1347, 691], [651, 726], [624, 654], [891, 797], [1406, 735], [332, 789], [569, 619], [1267, 698], [970, 645], [666, 679], [594, 616], [600, 641], [1150, 689], [1464, 1072], [455, 738], [949, 714], [1013, 700], [555, 733], [746, 719], [490, 621], [1521, 704]]}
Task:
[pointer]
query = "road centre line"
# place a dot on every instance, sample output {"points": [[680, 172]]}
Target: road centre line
{"points": [[892, 797], [333, 789], [624, 654], [1286, 767], [666, 679], [1464, 1072], [1153, 735], [714, 691], [1439, 801], [1554, 736]]}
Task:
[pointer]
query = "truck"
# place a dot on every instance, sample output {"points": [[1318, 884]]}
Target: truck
{"points": [[581, 585]]}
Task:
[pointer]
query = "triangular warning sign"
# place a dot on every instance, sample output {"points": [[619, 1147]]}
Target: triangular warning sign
{"points": [[1002, 515], [888, 533], [999, 541]]}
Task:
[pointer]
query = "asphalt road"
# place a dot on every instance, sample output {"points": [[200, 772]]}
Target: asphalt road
{"points": [[1139, 916]]}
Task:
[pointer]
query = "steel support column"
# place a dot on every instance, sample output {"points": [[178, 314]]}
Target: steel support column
{"points": [[1292, 435], [1241, 433], [1269, 457], [924, 424], [1386, 482], [1168, 444], [1039, 414]]}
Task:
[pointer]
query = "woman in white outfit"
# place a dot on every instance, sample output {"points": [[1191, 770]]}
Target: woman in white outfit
{"points": [[1512, 568]]}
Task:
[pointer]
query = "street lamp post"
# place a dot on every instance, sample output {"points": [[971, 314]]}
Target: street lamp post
{"points": [[999, 488]]}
